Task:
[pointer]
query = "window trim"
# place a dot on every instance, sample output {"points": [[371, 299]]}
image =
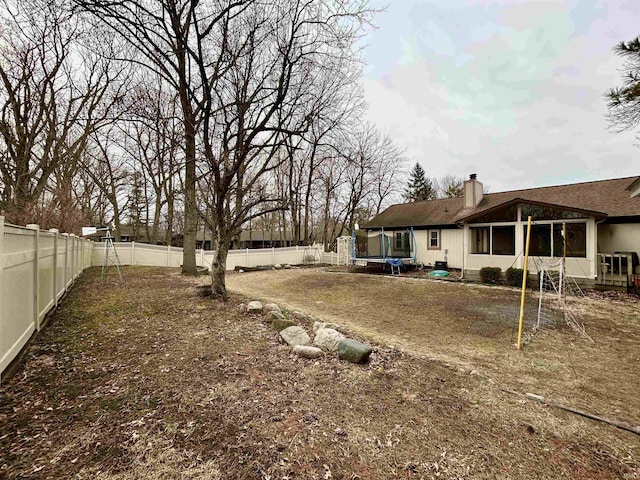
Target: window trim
{"points": [[438, 246]]}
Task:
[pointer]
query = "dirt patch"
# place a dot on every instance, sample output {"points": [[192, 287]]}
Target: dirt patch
{"points": [[148, 380]]}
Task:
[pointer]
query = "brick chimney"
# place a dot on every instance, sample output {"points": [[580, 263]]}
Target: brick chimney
{"points": [[472, 191]]}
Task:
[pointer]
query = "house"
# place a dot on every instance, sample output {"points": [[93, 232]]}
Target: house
{"points": [[601, 221]]}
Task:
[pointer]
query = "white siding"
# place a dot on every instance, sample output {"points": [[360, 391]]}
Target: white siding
{"points": [[451, 247]]}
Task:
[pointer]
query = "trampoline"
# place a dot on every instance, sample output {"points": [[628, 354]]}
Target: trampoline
{"points": [[394, 248]]}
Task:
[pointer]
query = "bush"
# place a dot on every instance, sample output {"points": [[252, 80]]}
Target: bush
{"points": [[490, 274], [513, 276]]}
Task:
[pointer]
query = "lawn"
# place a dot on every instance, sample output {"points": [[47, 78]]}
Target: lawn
{"points": [[475, 327], [149, 381]]}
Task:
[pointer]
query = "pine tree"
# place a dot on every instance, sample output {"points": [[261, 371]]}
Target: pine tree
{"points": [[419, 186]]}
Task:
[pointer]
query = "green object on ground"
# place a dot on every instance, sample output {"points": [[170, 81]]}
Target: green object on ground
{"points": [[439, 273], [353, 351]]}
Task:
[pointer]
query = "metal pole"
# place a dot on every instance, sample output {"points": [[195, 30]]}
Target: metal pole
{"points": [[524, 283]]}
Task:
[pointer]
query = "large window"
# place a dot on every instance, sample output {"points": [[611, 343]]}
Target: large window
{"points": [[479, 240], [575, 238], [497, 240], [548, 238], [548, 213], [503, 240], [540, 241]]}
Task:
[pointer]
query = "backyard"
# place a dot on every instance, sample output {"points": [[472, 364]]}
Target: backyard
{"points": [[149, 380]]}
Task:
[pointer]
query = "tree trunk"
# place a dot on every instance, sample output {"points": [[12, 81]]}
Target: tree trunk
{"points": [[218, 269], [190, 206]]}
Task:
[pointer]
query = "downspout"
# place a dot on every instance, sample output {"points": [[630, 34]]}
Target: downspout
{"points": [[464, 250], [352, 247], [415, 247]]}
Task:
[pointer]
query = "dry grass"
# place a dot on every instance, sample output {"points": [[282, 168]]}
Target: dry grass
{"points": [[149, 381], [475, 327]]}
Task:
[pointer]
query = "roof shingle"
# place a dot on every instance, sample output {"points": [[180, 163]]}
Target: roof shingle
{"points": [[608, 197]]}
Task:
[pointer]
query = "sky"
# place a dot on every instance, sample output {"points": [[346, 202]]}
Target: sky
{"points": [[510, 90]]}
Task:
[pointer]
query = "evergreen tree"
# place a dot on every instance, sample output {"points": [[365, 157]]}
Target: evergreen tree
{"points": [[419, 187]]}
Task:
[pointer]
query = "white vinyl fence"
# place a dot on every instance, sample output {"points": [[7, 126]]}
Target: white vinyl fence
{"points": [[132, 253], [36, 269]]}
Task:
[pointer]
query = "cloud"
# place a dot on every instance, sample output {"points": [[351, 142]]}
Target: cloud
{"points": [[512, 91]]}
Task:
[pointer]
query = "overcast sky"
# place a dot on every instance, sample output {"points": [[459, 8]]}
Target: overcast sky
{"points": [[510, 90]]}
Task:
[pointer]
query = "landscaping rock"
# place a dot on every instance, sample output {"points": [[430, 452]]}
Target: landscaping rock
{"points": [[275, 315], [295, 336], [328, 339], [277, 266], [254, 307], [318, 325], [242, 307], [271, 307], [353, 351], [281, 324], [305, 351]]}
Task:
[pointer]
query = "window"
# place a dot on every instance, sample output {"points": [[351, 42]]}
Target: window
{"points": [[434, 239], [401, 244], [399, 240], [576, 239], [540, 241], [503, 240], [547, 238], [548, 213], [509, 214], [479, 240]]}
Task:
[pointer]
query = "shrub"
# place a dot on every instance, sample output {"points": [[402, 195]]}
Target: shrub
{"points": [[513, 276], [490, 274]]}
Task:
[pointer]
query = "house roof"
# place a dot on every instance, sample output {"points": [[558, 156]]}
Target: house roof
{"points": [[604, 198]]}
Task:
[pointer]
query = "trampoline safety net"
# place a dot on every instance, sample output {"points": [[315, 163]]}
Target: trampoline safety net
{"points": [[397, 244]]}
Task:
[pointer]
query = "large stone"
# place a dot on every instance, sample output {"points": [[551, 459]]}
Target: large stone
{"points": [[271, 307], [281, 324], [328, 339], [353, 350], [295, 336], [275, 315], [305, 351], [254, 307], [318, 325]]}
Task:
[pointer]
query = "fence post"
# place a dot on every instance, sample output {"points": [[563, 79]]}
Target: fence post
{"points": [[273, 256], [133, 253], [169, 255], [202, 256], [36, 274], [55, 265], [73, 257], [66, 259], [246, 258]]}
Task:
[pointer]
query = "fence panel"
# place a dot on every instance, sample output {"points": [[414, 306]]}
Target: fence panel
{"points": [[18, 292], [162, 256], [36, 269]]}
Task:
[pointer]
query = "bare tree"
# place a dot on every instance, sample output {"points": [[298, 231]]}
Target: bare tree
{"points": [[178, 40], [280, 48], [52, 100], [449, 186]]}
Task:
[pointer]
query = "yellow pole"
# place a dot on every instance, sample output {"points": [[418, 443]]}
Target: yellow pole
{"points": [[524, 283]]}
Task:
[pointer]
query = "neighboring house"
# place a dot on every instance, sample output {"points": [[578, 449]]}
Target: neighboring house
{"points": [[481, 230]]}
